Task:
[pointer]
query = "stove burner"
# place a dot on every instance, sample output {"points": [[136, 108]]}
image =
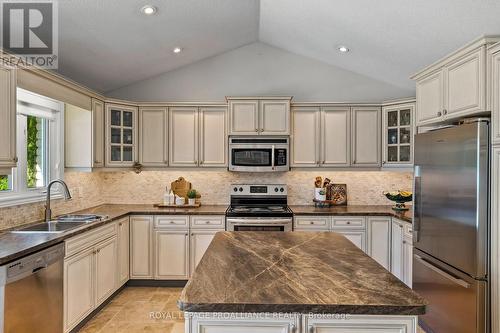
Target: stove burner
{"points": [[263, 209]]}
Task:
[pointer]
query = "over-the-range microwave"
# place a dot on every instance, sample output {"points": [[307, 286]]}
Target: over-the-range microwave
{"points": [[259, 153]]}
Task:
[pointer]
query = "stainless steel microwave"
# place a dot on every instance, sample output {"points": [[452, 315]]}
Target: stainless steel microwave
{"points": [[259, 153]]}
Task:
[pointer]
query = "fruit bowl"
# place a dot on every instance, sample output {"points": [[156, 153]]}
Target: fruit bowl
{"points": [[399, 197]]}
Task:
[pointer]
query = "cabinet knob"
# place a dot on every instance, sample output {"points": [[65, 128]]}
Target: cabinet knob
{"points": [[439, 114], [404, 242], [310, 329], [120, 224], [16, 159], [186, 235], [207, 222], [348, 222], [445, 111], [311, 222], [257, 130], [172, 222], [98, 250], [192, 234], [322, 162]]}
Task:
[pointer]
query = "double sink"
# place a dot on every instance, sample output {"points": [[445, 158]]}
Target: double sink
{"points": [[61, 224]]}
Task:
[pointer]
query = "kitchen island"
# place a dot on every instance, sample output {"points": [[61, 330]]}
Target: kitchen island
{"points": [[295, 282]]}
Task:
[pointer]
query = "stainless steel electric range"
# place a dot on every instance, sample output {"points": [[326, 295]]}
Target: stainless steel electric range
{"points": [[259, 207]]}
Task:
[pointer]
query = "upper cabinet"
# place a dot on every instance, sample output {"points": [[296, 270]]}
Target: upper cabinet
{"points": [[365, 136], [259, 116], [8, 157], [183, 136], [495, 93], [153, 136], [98, 132], [397, 135], [121, 135], [213, 137], [455, 86]]}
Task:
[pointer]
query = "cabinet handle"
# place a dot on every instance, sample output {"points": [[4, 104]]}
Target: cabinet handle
{"points": [[404, 242], [401, 226], [310, 329], [207, 222], [186, 235], [311, 222], [120, 224], [172, 222], [98, 250], [293, 328], [348, 222], [439, 114], [16, 159], [257, 130], [322, 162], [192, 234], [445, 111]]}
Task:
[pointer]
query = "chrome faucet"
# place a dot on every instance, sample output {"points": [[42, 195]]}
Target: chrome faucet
{"points": [[67, 196]]}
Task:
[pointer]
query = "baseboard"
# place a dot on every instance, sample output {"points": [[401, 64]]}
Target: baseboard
{"points": [[156, 283]]}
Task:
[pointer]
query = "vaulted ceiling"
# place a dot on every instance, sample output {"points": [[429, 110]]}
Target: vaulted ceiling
{"points": [[110, 44]]}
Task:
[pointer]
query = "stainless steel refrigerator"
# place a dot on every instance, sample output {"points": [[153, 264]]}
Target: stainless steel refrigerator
{"points": [[451, 227]]}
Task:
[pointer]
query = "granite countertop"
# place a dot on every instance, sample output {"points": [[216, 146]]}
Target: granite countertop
{"points": [[365, 210], [15, 245], [304, 272]]}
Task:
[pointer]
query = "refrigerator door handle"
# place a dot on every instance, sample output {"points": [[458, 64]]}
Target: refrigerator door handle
{"points": [[444, 274], [416, 205]]}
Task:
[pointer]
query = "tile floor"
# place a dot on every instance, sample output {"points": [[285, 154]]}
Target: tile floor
{"points": [[141, 309]]}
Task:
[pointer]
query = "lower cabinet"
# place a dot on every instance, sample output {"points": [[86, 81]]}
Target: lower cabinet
{"points": [[289, 323], [360, 323], [357, 237], [379, 240], [106, 264], [402, 250], [171, 254], [123, 251], [353, 228], [141, 247], [198, 244]]}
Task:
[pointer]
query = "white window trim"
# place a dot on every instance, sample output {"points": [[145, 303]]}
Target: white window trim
{"points": [[56, 156]]}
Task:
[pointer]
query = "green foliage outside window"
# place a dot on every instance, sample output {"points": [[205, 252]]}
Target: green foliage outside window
{"points": [[32, 150], [4, 183]]}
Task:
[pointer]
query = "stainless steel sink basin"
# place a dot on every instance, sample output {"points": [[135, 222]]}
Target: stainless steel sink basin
{"points": [[86, 218], [50, 227]]}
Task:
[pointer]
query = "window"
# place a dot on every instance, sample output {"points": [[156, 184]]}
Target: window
{"points": [[39, 149]]}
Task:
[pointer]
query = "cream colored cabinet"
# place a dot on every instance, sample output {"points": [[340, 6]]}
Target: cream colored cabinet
{"points": [[121, 135], [495, 238], [408, 259], [430, 98], [353, 228], [8, 157], [141, 247], [183, 136], [98, 121], [262, 116], [123, 251], [357, 237], [397, 135], [379, 240], [171, 254], [306, 137], [366, 138], [199, 242], [251, 324], [153, 136], [106, 263], [360, 324], [495, 95], [213, 137], [397, 256], [321, 136], [79, 292], [312, 223]]}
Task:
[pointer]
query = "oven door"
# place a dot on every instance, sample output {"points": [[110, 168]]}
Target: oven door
{"points": [[259, 224]]}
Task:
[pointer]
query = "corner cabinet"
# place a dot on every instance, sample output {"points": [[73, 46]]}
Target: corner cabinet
{"points": [[397, 135], [365, 136], [8, 158], [259, 116], [121, 135]]}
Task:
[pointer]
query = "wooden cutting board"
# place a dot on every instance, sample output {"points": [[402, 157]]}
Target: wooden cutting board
{"points": [[180, 187]]}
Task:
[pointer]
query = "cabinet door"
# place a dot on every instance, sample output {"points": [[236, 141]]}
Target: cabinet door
{"points": [[312, 223], [78, 288], [397, 249], [121, 135], [183, 136], [361, 324], [172, 255], [243, 117], [141, 247], [430, 98], [98, 132], [335, 136], [407, 261], [123, 251], [290, 324], [495, 84], [397, 135], [357, 237], [7, 119], [466, 85], [213, 137], [106, 269], [199, 242], [379, 240], [365, 143], [153, 147], [274, 117], [305, 138]]}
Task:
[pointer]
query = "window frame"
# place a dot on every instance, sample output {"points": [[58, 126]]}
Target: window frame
{"points": [[19, 193]]}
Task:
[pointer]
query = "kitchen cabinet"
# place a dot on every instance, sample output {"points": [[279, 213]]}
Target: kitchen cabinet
{"points": [[321, 136], [259, 116], [171, 254], [98, 118], [495, 94], [397, 135], [430, 98], [360, 323], [365, 136], [379, 240], [106, 263], [198, 245], [353, 228], [213, 137], [141, 247], [357, 237], [8, 157], [495, 237], [397, 256], [243, 324], [183, 136], [121, 135], [312, 223], [153, 136], [407, 260], [123, 233]]}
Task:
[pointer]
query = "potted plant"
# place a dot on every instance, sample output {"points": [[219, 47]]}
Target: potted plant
{"points": [[192, 194]]}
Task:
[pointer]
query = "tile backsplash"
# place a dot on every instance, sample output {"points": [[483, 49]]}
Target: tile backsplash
{"points": [[91, 189]]}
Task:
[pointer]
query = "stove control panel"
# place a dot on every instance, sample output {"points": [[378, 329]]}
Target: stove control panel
{"points": [[259, 189]]}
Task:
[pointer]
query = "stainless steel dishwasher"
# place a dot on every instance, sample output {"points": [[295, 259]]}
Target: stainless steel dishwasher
{"points": [[31, 293]]}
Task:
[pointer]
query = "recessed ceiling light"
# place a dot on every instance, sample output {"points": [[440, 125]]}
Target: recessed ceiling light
{"points": [[177, 50], [343, 49], [149, 10]]}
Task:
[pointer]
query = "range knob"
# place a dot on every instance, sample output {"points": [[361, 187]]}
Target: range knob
{"points": [[282, 189], [275, 189], [235, 189], [241, 189]]}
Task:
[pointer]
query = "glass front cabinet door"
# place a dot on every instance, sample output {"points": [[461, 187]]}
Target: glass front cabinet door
{"points": [[121, 135], [398, 123]]}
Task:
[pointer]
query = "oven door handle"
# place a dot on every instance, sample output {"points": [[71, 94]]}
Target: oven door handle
{"points": [[260, 221], [272, 157]]}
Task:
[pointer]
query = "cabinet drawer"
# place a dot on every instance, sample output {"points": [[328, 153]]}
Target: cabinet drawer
{"points": [[349, 222], [408, 229], [207, 222], [312, 222], [171, 222], [88, 239]]}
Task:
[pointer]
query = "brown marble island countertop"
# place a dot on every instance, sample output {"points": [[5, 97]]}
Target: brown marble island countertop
{"points": [[15, 245], [365, 210], [302, 272]]}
